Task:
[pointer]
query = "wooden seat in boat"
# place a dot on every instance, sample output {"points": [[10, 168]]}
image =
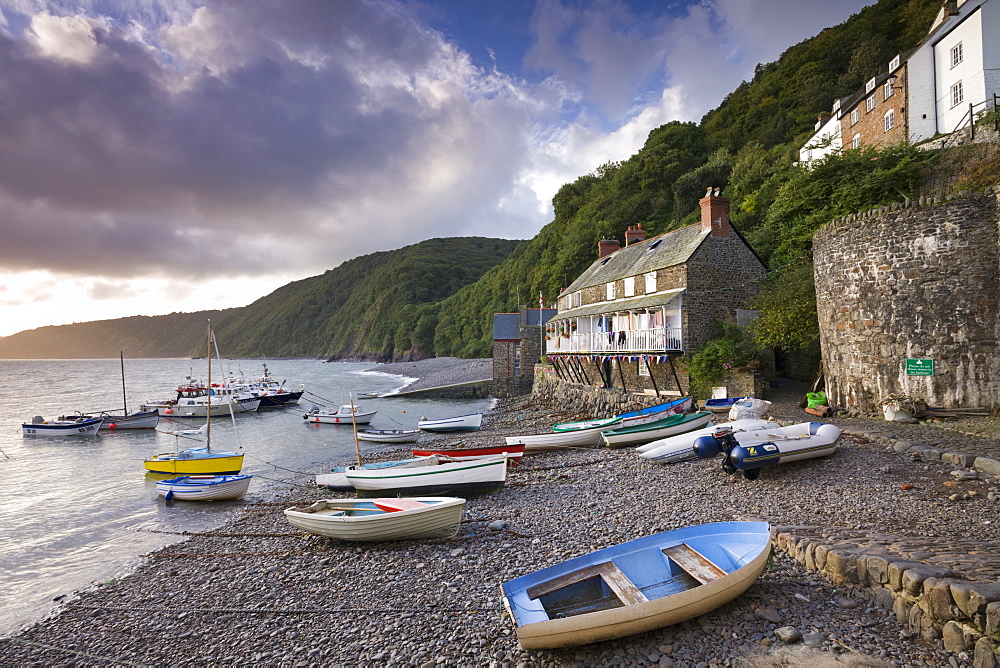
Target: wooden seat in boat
{"points": [[694, 563], [617, 581]]}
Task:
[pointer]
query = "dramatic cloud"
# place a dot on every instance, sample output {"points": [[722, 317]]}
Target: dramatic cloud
{"points": [[166, 143]]}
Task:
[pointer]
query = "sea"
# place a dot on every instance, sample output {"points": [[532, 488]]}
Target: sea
{"points": [[81, 511]]}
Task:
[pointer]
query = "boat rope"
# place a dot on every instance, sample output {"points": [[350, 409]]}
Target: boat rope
{"points": [[55, 648], [214, 534], [4, 453], [279, 611]]}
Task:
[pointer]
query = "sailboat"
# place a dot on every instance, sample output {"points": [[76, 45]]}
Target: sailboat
{"points": [[204, 460], [139, 420]]}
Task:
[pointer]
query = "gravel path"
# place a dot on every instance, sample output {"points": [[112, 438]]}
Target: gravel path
{"points": [[258, 591]]}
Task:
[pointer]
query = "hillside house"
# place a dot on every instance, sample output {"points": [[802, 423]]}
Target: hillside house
{"points": [[517, 346], [952, 75], [655, 299]]}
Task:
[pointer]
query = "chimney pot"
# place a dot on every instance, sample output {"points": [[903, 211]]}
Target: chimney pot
{"points": [[634, 233], [606, 247]]}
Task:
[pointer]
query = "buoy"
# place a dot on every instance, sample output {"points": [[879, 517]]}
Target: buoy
{"points": [[169, 495], [168, 411], [112, 425]]}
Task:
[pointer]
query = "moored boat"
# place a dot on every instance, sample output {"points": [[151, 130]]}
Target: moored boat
{"points": [[621, 437], [380, 519], [638, 586], [342, 415], [721, 405], [80, 426], [680, 448], [204, 487], [389, 435], [432, 476], [641, 416], [512, 452], [336, 479], [198, 400], [471, 422], [579, 438], [140, 420]]}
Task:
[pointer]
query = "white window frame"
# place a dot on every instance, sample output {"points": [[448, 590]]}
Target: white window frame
{"points": [[855, 115], [577, 299], [609, 291], [869, 85], [957, 94], [856, 141], [870, 103], [650, 282], [957, 54], [889, 120], [629, 286], [894, 63], [888, 90]]}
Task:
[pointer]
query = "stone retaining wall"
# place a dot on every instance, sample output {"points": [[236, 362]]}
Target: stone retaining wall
{"points": [[596, 402], [911, 281]]}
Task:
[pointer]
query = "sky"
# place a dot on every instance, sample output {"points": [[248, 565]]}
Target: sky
{"points": [[161, 156]]}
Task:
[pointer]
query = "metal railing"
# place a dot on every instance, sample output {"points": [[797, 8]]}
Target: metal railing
{"points": [[625, 341]]}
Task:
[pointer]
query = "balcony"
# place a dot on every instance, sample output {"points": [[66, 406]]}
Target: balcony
{"points": [[659, 340]]}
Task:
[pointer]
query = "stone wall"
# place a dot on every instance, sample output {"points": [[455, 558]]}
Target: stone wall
{"points": [[503, 358], [918, 280], [596, 402]]}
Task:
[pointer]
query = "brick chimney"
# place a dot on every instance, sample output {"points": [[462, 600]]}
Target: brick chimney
{"points": [[634, 233], [606, 247], [715, 213]]}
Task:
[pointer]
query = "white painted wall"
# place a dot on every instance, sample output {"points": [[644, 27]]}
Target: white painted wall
{"points": [[969, 72], [827, 140]]}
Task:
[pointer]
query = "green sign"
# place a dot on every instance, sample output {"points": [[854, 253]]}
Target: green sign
{"points": [[915, 367]]}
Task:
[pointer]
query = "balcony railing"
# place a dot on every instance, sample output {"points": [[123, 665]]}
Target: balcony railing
{"points": [[625, 341]]}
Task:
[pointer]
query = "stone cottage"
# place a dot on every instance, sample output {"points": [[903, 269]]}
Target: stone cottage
{"points": [[624, 321], [517, 347]]}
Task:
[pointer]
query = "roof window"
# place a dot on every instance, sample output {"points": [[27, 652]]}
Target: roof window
{"points": [[653, 246]]}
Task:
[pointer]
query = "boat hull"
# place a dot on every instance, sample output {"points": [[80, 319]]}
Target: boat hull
{"points": [[172, 463], [471, 422], [680, 448], [61, 428], [659, 594], [364, 521], [786, 444], [204, 488], [555, 440], [512, 452], [142, 420], [675, 424], [336, 479], [389, 435], [175, 409], [280, 400], [466, 478], [632, 418]]}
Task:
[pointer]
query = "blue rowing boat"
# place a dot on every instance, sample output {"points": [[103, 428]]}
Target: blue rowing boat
{"points": [[638, 586]]}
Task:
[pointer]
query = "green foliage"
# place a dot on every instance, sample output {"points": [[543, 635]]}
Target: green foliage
{"points": [[787, 310], [732, 349]]}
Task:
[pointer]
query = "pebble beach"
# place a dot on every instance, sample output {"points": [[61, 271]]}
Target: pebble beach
{"points": [[258, 591]]}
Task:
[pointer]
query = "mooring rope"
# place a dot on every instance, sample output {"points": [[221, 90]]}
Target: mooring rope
{"points": [[54, 648]]}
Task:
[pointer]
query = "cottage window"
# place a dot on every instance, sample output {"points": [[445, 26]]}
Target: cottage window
{"points": [[957, 94], [869, 85], [854, 116], [577, 299], [610, 290], [630, 286], [956, 54], [870, 103], [890, 119], [888, 90], [894, 63], [651, 282], [856, 141]]}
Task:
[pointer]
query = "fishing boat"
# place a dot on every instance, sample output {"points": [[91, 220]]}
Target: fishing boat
{"points": [[471, 422], [336, 479], [641, 416], [271, 393], [389, 435], [512, 452], [78, 426], [638, 586], [199, 400], [752, 451], [621, 437], [340, 416], [200, 460], [680, 448], [432, 476], [380, 519], [126, 420], [204, 487]]}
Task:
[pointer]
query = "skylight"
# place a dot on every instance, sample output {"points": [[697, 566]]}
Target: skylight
{"points": [[653, 246]]}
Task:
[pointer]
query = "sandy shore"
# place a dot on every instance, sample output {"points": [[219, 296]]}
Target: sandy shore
{"points": [[258, 591]]}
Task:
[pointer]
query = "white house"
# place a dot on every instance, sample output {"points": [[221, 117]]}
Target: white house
{"points": [[826, 140], [957, 67]]}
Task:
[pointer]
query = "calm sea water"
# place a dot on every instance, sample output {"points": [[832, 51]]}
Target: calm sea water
{"points": [[79, 511]]}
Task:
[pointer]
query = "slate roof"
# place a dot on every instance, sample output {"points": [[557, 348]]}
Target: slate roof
{"points": [[506, 326], [643, 301], [671, 249]]}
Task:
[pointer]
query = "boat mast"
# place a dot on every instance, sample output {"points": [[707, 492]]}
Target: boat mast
{"points": [[208, 410], [354, 424], [230, 399], [121, 354]]}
